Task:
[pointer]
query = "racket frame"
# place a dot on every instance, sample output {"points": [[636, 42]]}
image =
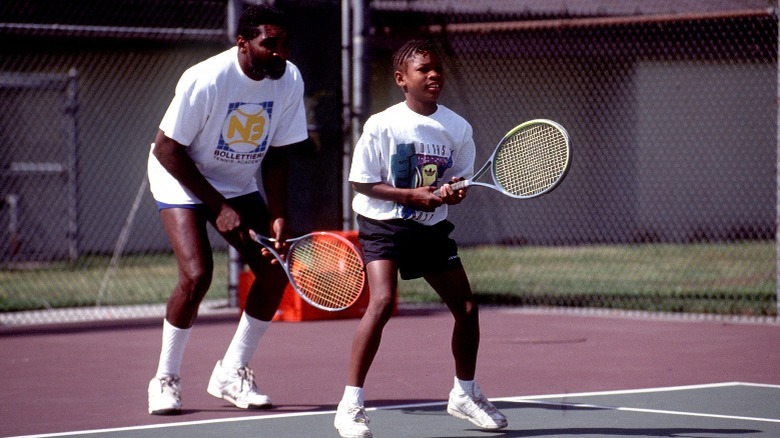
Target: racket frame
{"points": [[490, 164], [268, 243]]}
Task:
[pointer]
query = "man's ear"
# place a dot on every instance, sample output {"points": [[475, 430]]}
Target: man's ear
{"points": [[241, 42]]}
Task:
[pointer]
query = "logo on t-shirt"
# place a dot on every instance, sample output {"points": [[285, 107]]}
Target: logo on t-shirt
{"points": [[244, 136], [416, 165]]}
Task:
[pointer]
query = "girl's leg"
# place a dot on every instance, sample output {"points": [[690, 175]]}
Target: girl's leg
{"points": [[466, 399], [454, 288], [383, 285]]}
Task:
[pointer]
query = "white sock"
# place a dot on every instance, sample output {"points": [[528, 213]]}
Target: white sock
{"points": [[464, 386], [245, 340], [353, 395], [174, 341]]}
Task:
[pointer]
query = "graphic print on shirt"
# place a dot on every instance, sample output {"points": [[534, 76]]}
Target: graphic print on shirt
{"points": [[416, 165], [244, 136]]}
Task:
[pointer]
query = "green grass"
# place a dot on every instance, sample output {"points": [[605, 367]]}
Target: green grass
{"points": [[137, 279], [728, 278], [735, 278]]}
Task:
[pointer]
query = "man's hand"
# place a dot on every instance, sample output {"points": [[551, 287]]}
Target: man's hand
{"points": [[279, 238], [229, 222]]}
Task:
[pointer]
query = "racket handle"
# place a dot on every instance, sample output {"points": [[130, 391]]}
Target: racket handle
{"points": [[455, 186]]}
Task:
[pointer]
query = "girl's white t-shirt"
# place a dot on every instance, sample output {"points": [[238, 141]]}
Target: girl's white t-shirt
{"points": [[404, 149], [227, 122]]}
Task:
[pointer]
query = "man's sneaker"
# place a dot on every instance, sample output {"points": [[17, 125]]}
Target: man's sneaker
{"points": [[476, 408], [165, 395], [237, 385], [352, 422]]}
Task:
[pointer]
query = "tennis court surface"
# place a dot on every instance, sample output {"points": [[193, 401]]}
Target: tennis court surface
{"points": [[553, 373]]}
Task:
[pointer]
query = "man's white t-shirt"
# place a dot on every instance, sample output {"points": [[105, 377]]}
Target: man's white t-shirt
{"points": [[404, 149], [227, 122]]}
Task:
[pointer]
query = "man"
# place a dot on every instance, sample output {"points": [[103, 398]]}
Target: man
{"points": [[228, 118]]}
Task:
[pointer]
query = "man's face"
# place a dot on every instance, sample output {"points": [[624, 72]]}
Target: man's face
{"points": [[266, 54]]}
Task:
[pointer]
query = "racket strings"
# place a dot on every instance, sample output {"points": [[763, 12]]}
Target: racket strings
{"points": [[328, 271], [531, 161]]}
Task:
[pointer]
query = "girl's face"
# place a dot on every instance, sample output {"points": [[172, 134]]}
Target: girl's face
{"points": [[422, 81]]}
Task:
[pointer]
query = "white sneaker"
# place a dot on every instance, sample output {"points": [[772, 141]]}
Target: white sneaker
{"points": [[237, 385], [165, 395], [352, 421], [475, 408]]}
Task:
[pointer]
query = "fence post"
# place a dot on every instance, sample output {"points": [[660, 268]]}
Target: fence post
{"points": [[71, 130], [777, 167], [235, 266]]}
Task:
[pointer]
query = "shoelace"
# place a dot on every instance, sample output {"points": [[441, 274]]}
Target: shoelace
{"points": [[248, 376], [485, 404], [170, 384], [358, 415], [478, 405], [489, 408]]}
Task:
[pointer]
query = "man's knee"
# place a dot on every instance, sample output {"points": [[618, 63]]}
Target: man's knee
{"points": [[195, 282]]}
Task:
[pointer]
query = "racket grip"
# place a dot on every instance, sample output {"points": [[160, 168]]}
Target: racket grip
{"points": [[455, 186]]}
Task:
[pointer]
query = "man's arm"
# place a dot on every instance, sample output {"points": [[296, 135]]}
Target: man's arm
{"points": [[173, 157], [275, 172]]}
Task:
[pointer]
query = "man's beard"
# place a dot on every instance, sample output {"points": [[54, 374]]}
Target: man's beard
{"points": [[274, 69]]}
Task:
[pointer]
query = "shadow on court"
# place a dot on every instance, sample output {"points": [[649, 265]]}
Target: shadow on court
{"points": [[533, 363]]}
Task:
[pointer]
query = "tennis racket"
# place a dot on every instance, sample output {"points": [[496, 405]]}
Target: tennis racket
{"points": [[531, 160], [325, 269]]}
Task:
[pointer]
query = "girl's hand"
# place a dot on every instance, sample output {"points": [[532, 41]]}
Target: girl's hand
{"points": [[450, 196]]}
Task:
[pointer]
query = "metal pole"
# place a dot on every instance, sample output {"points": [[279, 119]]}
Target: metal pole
{"points": [[777, 170], [346, 113], [564, 23], [71, 129], [12, 202], [121, 241], [235, 266], [358, 60], [355, 90]]}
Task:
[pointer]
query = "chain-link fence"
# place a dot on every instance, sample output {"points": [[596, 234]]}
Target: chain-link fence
{"points": [[670, 203]]}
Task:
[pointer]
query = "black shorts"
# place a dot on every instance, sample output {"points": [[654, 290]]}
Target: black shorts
{"points": [[417, 249]]}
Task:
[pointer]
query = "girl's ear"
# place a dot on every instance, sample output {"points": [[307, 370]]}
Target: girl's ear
{"points": [[400, 80]]}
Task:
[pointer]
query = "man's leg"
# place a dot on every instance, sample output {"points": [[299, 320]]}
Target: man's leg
{"points": [[232, 379], [187, 234]]}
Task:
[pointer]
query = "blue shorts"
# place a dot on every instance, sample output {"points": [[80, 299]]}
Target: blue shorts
{"points": [[162, 206], [417, 249], [251, 207]]}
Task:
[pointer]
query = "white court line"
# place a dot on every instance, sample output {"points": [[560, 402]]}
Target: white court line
{"points": [[522, 399], [636, 391], [533, 400], [651, 411], [184, 423]]}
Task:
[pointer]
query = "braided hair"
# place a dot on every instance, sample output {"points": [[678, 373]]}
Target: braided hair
{"points": [[402, 56]]}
